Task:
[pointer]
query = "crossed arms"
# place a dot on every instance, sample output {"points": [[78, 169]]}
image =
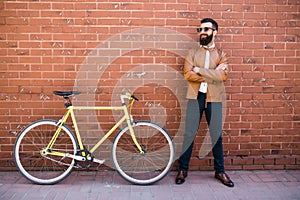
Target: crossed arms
{"points": [[200, 74]]}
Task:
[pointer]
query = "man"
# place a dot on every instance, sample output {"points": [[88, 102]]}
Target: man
{"points": [[205, 69]]}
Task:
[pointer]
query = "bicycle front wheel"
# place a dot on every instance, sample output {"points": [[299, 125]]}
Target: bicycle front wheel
{"points": [[147, 168], [40, 168]]}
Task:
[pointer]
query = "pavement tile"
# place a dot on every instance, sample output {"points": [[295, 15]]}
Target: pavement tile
{"points": [[255, 178], [292, 184], [8, 195], [292, 177], [50, 195], [183, 195], [203, 194], [34, 195], [275, 185], [61, 195]]}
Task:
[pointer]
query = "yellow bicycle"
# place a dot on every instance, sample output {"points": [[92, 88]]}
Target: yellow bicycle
{"points": [[46, 150]]}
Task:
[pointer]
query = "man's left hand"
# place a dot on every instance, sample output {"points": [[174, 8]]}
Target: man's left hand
{"points": [[196, 69]]}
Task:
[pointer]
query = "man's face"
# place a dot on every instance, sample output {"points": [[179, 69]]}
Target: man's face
{"points": [[206, 33]]}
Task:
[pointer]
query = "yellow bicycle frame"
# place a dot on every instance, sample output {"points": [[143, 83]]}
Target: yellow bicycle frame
{"points": [[70, 111]]}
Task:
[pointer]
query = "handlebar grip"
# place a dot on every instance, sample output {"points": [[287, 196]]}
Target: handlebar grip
{"points": [[132, 96]]}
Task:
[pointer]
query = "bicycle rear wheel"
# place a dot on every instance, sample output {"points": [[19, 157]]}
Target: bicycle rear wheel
{"points": [[39, 168], [147, 168]]}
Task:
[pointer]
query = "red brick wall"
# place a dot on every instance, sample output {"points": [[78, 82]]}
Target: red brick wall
{"points": [[44, 45]]}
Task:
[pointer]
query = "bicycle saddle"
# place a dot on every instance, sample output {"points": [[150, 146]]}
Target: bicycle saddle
{"points": [[66, 94]]}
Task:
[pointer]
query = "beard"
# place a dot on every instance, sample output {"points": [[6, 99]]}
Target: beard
{"points": [[205, 40]]}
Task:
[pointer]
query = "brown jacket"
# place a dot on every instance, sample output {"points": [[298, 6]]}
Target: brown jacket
{"points": [[214, 76]]}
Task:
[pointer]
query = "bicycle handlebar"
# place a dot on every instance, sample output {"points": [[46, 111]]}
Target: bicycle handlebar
{"points": [[128, 96], [132, 96]]}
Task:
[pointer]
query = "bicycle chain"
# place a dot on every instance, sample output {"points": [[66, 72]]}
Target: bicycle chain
{"points": [[59, 161]]}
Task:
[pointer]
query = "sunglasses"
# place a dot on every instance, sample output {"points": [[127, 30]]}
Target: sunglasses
{"points": [[205, 29]]}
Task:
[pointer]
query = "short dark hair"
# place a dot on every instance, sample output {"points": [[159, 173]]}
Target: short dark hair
{"points": [[214, 23]]}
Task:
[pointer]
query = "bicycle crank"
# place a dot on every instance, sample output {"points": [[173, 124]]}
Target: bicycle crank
{"points": [[83, 158]]}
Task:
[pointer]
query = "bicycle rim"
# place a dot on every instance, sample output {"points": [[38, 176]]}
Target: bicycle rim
{"points": [[147, 168], [44, 169]]}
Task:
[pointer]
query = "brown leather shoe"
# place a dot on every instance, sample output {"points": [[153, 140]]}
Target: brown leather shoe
{"points": [[224, 178], [180, 178]]}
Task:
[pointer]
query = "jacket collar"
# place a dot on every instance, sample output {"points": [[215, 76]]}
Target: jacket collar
{"points": [[208, 47]]}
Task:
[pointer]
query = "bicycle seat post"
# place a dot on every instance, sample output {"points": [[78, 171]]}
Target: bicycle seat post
{"points": [[67, 101], [66, 96]]}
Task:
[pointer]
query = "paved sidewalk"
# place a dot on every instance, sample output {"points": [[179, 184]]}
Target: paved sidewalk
{"points": [[256, 185]]}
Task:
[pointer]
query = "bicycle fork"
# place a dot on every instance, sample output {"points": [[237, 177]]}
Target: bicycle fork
{"points": [[129, 120]]}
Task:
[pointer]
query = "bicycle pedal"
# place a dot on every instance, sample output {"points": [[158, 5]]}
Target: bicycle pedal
{"points": [[99, 161]]}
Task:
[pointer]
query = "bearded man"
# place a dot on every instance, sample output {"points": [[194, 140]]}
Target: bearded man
{"points": [[205, 69]]}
